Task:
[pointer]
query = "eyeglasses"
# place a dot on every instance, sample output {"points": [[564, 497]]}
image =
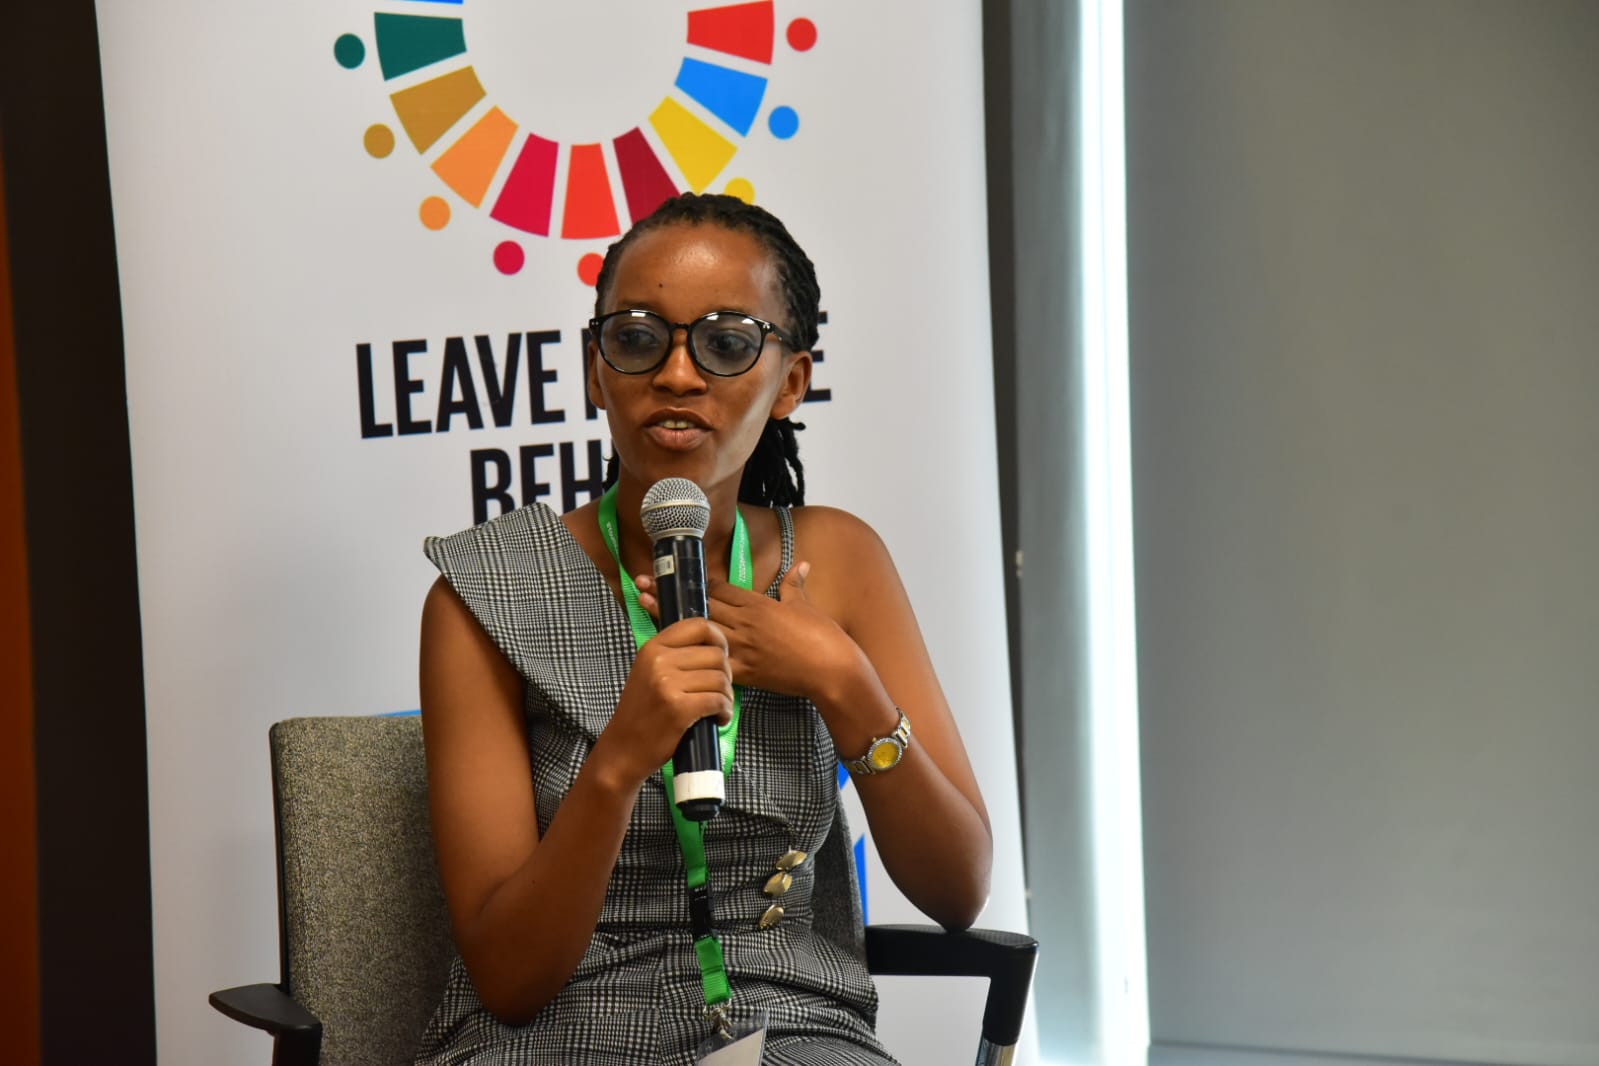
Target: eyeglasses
{"points": [[723, 343]]}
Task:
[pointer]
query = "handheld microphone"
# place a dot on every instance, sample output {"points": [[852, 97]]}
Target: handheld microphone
{"points": [[676, 515]]}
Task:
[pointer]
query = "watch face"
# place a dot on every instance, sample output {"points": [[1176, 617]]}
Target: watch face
{"points": [[885, 754]]}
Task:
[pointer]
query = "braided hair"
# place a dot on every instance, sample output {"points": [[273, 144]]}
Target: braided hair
{"points": [[774, 476]]}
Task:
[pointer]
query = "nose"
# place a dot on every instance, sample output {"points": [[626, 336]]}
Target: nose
{"points": [[679, 374]]}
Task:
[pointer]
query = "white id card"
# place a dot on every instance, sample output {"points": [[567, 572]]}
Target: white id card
{"points": [[741, 1046]]}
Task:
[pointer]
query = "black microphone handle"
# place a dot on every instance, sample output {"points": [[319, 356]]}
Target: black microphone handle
{"points": [[697, 763]]}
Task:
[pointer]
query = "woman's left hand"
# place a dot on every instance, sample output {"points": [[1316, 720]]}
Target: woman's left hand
{"points": [[850, 644], [786, 645]]}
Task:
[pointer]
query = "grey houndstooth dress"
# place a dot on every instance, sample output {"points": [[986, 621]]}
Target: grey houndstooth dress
{"points": [[636, 995]]}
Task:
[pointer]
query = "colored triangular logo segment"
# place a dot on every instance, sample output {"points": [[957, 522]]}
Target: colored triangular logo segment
{"points": [[743, 30]]}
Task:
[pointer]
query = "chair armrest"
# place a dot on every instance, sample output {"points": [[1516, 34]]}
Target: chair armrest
{"points": [[1006, 959], [296, 1032]]}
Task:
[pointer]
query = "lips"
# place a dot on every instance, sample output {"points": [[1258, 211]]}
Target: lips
{"points": [[676, 418], [676, 430]]}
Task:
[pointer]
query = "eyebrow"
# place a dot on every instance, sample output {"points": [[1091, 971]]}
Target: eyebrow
{"points": [[655, 310], [633, 305]]}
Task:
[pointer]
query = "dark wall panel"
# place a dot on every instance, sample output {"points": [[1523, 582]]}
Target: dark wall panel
{"points": [[19, 889], [95, 979]]}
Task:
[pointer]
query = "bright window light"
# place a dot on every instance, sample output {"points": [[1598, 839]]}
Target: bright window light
{"points": [[1122, 980]]}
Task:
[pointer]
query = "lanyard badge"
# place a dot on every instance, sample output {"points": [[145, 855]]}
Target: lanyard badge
{"points": [[691, 835]]}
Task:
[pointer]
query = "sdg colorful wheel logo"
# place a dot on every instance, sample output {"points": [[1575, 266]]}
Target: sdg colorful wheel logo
{"points": [[573, 62]]}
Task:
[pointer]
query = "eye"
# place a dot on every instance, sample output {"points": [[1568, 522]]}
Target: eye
{"points": [[731, 340], [634, 336]]}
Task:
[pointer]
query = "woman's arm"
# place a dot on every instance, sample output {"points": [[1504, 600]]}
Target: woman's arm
{"points": [[844, 636], [928, 820], [524, 909]]}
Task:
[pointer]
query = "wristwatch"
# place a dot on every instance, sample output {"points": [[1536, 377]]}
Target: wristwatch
{"points": [[884, 753]]}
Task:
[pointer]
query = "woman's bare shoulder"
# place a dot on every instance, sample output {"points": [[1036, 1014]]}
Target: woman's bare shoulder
{"points": [[852, 575], [823, 527]]}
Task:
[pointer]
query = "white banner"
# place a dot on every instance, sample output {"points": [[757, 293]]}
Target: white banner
{"points": [[355, 243]]}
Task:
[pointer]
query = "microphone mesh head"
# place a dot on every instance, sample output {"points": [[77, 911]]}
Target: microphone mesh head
{"points": [[675, 507]]}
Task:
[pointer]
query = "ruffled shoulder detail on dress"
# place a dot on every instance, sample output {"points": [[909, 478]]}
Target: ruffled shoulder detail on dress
{"points": [[527, 581]]}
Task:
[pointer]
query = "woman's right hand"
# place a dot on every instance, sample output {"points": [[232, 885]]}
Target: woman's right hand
{"points": [[681, 675]]}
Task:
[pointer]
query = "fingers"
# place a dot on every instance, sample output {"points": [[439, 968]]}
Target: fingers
{"points": [[693, 671], [675, 686], [723, 591], [714, 702], [696, 658], [646, 596], [720, 590], [696, 691], [689, 632], [793, 586], [717, 707]]}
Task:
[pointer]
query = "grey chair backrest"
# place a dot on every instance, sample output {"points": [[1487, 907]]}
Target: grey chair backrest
{"points": [[366, 941], [836, 897]]}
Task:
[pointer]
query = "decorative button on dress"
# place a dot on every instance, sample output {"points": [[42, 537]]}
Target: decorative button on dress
{"points": [[636, 995]]}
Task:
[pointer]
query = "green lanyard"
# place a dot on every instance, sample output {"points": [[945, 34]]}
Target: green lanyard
{"points": [[690, 835]]}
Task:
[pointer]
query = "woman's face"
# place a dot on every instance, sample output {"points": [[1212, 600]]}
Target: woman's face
{"points": [[677, 420]]}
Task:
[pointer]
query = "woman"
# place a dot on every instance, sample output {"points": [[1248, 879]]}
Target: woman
{"points": [[547, 726]]}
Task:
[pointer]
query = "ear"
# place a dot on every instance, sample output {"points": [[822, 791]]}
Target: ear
{"points": [[596, 397], [796, 382]]}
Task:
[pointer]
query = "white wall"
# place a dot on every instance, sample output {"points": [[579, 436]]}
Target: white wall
{"points": [[1364, 278]]}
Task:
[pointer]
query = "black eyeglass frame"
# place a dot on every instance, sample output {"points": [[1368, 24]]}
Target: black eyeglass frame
{"points": [[768, 329]]}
